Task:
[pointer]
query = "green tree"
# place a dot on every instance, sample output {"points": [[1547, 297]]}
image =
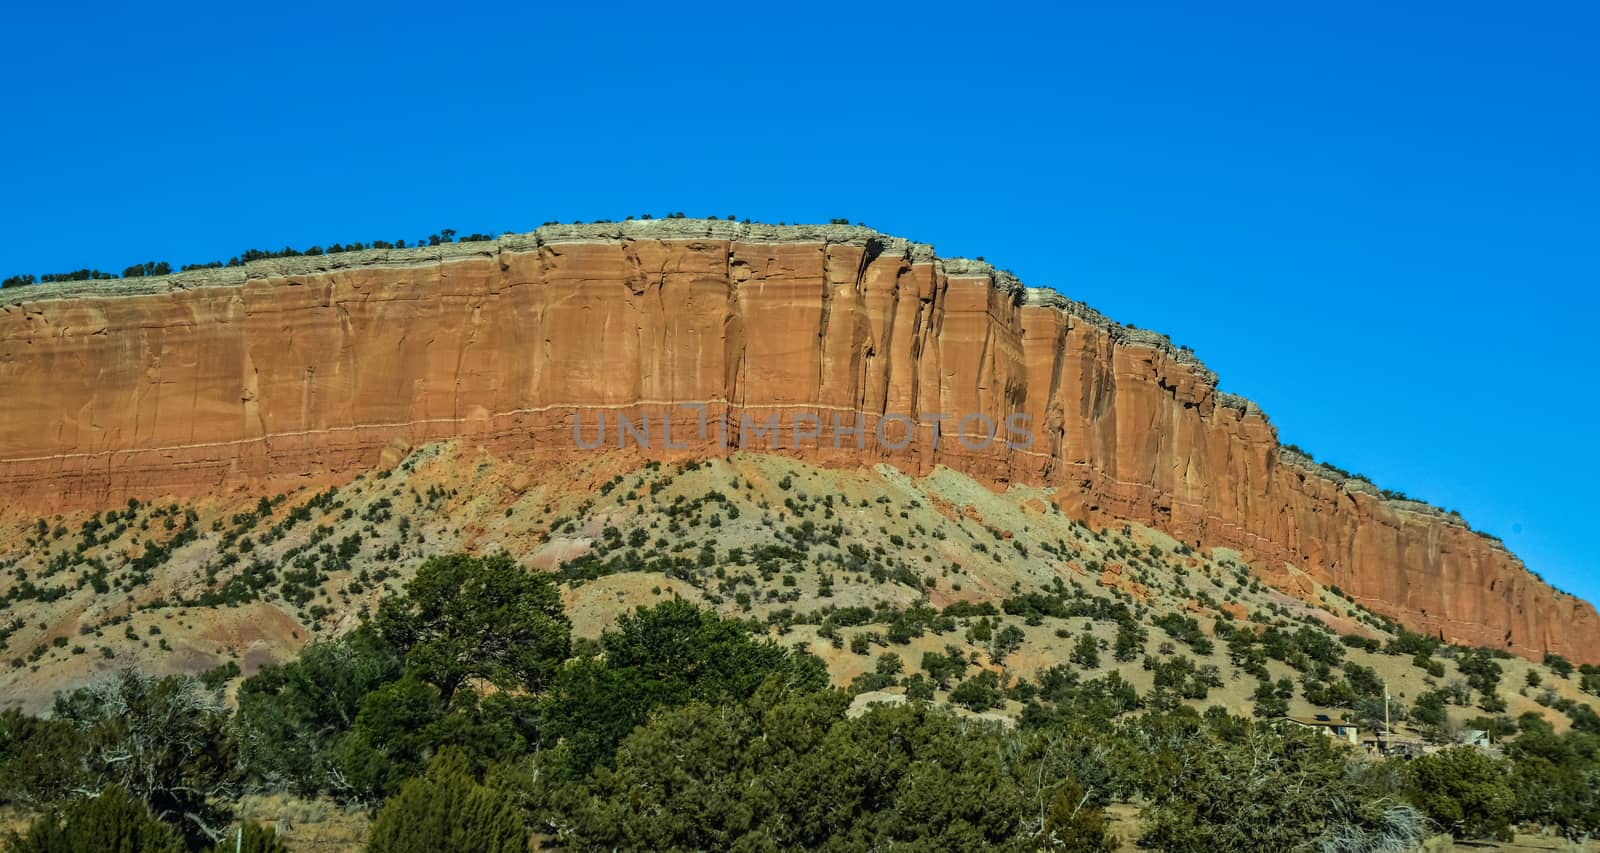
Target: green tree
{"points": [[293, 715], [1429, 709], [464, 618], [700, 655], [1556, 780], [681, 781], [918, 687], [1130, 641], [1007, 640], [591, 707], [981, 692], [788, 771], [1064, 700], [1464, 791], [1073, 823], [666, 655], [922, 779], [392, 737], [112, 821], [1363, 680], [1270, 789], [1482, 671], [1270, 701], [39, 759], [944, 668], [164, 741], [446, 810], [1086, 652]]}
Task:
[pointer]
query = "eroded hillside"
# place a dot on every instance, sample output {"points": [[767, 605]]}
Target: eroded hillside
{"points": [[937, 586]]}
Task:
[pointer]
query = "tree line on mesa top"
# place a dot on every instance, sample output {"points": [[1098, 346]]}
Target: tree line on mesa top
{"points": [[155, 268]]}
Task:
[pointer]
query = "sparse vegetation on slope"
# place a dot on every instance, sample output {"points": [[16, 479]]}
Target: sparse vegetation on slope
{"points": [[717, 739], [774, 595]]}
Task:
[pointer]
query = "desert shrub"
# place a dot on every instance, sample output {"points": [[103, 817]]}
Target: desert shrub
{"points": [[1259, 789], [218, 676], [1186, 630], [1182, 676], [1356, 641], [1407, 643], [1303, 646], [918, 688], [789, 771], [1559, 665], [1063, 701], [1396, 828], [162, 740], [250, 838], [1481, 670], [1363, 680], [446, 809], [112, 820]]}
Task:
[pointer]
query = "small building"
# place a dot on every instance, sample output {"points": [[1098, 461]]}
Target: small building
{"points": [[1336, 729], [1393, 744], [1474, 737]]}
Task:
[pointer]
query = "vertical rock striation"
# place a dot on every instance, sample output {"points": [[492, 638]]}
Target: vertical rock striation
{"points": [[309, 369]]}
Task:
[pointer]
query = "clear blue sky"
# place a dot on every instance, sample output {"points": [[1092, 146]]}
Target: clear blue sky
{"points": [[1382, 224]]}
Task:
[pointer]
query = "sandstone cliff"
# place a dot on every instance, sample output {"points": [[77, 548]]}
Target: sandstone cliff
{"points": [[309, 369]]}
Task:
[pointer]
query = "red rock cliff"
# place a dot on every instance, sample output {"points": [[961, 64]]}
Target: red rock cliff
{"points": [[312, 368]]}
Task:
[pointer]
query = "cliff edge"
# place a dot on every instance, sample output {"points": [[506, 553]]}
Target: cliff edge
{"points": [[310, 369]]}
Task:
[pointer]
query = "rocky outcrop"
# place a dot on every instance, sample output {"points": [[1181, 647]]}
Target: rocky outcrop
{"points": [[310, 369]]}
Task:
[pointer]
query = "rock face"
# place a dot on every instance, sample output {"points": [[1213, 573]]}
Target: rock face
{"points": [[310, 369]]}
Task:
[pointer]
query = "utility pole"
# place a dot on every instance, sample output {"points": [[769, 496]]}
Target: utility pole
{"points": [[1386, 730]]}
